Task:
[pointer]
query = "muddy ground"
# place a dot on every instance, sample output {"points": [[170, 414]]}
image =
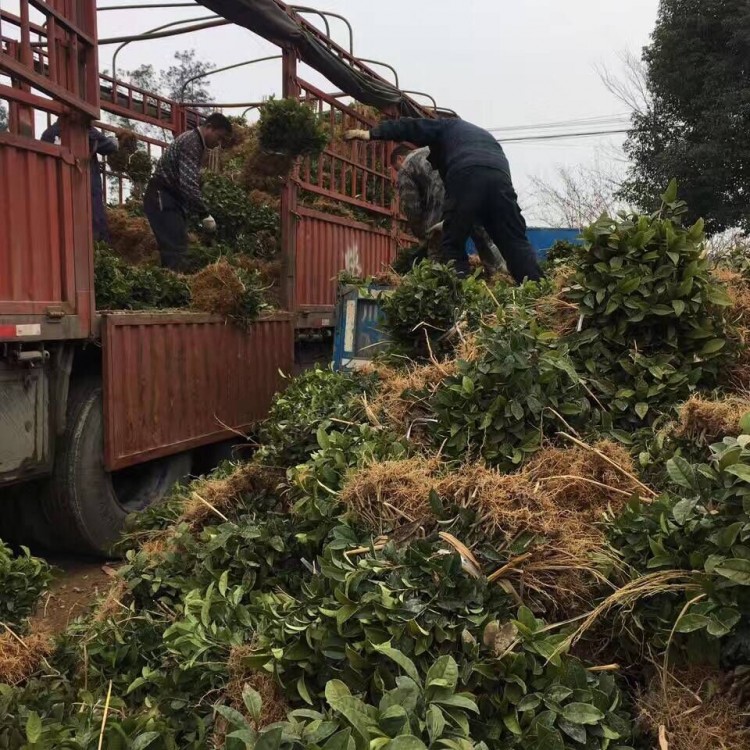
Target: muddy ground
{"points": [[77, 584]]}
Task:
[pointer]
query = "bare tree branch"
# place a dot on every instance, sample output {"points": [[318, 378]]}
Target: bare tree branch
{"points": [[629, 84], [576, 196]]}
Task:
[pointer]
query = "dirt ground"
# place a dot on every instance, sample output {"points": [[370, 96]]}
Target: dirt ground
{"points": [[76, 586]]}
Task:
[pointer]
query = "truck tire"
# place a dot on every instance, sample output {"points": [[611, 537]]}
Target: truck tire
{"points": [[86, 505]]}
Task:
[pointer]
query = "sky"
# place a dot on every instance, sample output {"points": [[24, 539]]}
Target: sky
{"points": [[497, 63]]}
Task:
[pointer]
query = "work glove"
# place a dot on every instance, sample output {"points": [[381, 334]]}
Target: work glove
{"points": [[209, 224], [357, 135], [435, 229]]}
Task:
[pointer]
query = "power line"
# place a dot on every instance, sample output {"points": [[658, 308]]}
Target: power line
{"points": [[560, 136], [599, 120]]}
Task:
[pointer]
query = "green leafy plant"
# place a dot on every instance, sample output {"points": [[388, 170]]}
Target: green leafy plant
{"points": [[496, 406], [561, 253], [23, 580], [653, 325], [291, 127], [411, 716], [311, 401], [240, 220], [429, 302], [120, 286], [700, 526]]}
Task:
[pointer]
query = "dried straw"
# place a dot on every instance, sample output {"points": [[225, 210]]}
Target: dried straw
{"points": [[694, 712], [211, 497], [705, 420], [275, 708], [20, 657], [560, 497]]}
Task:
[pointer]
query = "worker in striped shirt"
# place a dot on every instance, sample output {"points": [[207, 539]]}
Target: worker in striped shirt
{"points": [[174, 191]]}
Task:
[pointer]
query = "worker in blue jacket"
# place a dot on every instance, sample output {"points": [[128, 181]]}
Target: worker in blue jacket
{"points": [[478, 188], [99, 144]]}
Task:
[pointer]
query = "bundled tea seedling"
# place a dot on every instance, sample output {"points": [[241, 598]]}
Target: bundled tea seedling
{"points": [[704, 420], [653, 318], [317, 398], [497, 406], [131, 238], [561, 253], [422, 313], [699, 527], [240, 219], [228, 290], [23, 580], [120, 286], [291, 127]]}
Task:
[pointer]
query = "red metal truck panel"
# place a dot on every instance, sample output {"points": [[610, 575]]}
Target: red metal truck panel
{"points": [[46, 277], [175, 381], [327, 245], [36, 238]]}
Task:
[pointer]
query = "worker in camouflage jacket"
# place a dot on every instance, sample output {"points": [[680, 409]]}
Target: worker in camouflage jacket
{"points": [[422, 197], [174, 190], [478, 188]]}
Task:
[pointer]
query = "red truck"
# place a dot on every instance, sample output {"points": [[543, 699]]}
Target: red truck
{"points": [[101, 412]]}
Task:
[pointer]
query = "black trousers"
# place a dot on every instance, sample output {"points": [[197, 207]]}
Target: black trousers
{"points": [[486, 197], [168, 222]]}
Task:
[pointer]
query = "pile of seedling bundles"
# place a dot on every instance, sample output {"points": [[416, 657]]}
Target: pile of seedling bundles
{"points": [[524, 526]]}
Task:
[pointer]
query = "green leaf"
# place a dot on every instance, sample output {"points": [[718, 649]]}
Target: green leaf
{"points": [[33, 728], [352, 709], [339, 741], [683, 511], [235, 718], [576, 732], [745, 424], [270, 739], [253, 702], [435, 723], [718, 296], [512, 725], [144, 740], [741, 471], [405, 742], [582, 713], [641, 409], [690, 623], [670, 195], [304, 693], [224, 583], [468, 385], [679, 306], [713, 346], [681, 473], [529, 702], [401, 659], [736, 570], [443, 673], [458, 701]]}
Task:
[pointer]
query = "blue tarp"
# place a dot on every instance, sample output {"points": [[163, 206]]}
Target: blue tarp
{"points": [[542, 238]]}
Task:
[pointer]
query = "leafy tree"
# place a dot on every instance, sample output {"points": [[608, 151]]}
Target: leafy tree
{"points": [[177, 76], [3, 118], [695, 126]]}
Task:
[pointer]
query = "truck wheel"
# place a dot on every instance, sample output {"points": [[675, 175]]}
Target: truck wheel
{"points": [[86, 505]]}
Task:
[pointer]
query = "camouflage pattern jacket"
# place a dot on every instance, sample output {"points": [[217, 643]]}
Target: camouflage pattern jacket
{"points": [[422, 194]]}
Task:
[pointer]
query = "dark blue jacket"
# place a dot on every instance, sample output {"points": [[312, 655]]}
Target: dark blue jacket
{"points": [[454, 144], [98, 144]]}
